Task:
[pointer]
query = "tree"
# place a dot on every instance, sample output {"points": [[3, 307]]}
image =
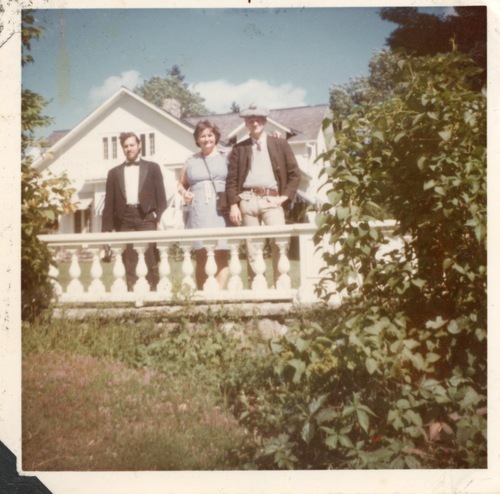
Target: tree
{"points": [[425, 34], [157, 89], [235, 108], [43, 197], [28, 32], [378, 86]]}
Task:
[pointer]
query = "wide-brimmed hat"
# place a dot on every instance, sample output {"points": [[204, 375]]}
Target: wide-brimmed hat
{"points": [[254, 111]]}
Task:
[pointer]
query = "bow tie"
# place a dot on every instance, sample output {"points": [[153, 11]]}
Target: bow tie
{"points": [[132, 163]]}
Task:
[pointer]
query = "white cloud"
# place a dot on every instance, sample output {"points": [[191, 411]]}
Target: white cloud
{"points": [[220, 94], [129, 78]]}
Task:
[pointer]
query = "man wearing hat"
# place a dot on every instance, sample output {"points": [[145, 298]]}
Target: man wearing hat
{"points": [[263, 176]]}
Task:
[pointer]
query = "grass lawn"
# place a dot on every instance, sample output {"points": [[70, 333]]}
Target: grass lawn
{"points": [[94, 398], [84, 413]]}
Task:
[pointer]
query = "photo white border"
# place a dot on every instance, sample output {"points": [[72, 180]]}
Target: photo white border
{"points": [[300, 482]]}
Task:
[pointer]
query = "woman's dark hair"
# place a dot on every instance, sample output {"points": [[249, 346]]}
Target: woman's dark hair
{"points": [[203, 125]]}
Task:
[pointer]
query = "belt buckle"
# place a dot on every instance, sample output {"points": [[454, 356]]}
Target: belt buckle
{"points": [[260, 191]]}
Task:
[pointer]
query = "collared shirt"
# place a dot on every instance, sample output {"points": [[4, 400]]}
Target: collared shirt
{"points": [[261, 172], [132, 183]]}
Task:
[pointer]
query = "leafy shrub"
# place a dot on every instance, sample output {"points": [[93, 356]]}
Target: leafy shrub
{"points": [[44, 198], [396, 378]]}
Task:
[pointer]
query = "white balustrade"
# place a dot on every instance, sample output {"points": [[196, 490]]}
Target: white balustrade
{"points": [[287, 286]]}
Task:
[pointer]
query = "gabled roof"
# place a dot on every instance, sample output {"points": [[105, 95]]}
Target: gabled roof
{"points": [[58, 138], [304, 122]]}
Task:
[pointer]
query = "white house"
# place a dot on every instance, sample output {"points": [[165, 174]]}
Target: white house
{"points": [[87, 152]]}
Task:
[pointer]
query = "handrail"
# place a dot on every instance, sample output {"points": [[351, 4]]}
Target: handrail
{"points": [[236, 233]]}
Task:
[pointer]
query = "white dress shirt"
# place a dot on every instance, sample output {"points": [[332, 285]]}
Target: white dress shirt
{"points": [[132, 183]]}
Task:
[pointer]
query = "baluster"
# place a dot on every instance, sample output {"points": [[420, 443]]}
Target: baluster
{"points": [[284, 282], [188, 268], [259, 282], [235, 283], [141, 285], [211, 284], [119, 284], [164, 285], [53, 275], [75, 286], [96, 286]]}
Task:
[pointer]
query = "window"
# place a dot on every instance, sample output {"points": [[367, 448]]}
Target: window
{"points": [[105, 148], [114, 142], [151, 144], [143, 144], [83, 220]]}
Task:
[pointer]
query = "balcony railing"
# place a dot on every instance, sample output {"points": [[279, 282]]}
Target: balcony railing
{"points": [[170, 289], [181, 286]]}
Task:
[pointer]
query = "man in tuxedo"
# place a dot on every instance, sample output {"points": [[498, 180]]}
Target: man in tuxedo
{"points": [[263, 177], [135, 200]]}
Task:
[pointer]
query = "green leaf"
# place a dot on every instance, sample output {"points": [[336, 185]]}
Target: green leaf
{"points": [[421, 163], [418, 282], [432, 357], [403, 404], [341, 212], [429, 184], [437, 323], [445, 135], [363, 419], [332, 441], [299, 367], [345, 441], [413, 417], [308, 431], [453, 327], [371, 365]]}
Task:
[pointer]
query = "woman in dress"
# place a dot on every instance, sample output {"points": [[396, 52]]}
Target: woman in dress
{"points": [[204, 174]]}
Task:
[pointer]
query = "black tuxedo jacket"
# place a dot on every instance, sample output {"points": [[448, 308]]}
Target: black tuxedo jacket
{"points": [[151, 194], [284, 164]]}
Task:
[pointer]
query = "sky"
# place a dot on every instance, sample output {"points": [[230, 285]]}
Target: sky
{"points": [[277, 57]]}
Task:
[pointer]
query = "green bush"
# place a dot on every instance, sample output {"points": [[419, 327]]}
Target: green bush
{"points": [[44, 198], [396, 377]]}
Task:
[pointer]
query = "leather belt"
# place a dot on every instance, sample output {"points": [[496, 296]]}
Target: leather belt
{"points": [[262, 191], [135, 206]]}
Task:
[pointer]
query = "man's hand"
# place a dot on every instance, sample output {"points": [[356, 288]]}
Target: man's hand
{"points": [[235, 214]]}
